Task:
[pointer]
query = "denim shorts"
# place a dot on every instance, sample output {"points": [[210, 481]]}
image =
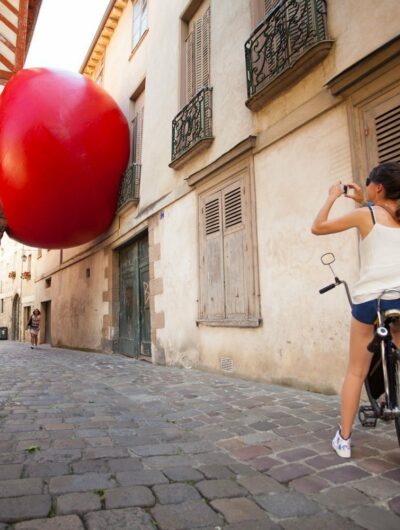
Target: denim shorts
{"points": [[366, 312]]}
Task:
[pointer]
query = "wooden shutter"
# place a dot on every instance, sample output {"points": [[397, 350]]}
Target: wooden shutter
{"points": [[297, 16], [198, 53], [206, 48], [234, 238], [213, 260], [268, 5], [134, 138], [198, 56], [190, 70], [382, 127]]}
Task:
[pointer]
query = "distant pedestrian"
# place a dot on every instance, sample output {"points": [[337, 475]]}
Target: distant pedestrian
{"points": [[34, 327]]}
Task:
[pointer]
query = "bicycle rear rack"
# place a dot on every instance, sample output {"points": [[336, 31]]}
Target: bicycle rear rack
{"points": [[367, 416]]}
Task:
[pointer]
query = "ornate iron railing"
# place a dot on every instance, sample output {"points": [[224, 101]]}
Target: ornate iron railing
{"points": [[193, 123], [290, 29], [130, 185]]}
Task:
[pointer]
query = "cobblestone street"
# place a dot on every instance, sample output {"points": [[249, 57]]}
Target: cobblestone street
{"points": [[98, 442]]}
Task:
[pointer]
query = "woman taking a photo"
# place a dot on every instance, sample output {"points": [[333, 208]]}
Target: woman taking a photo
{"points": [[378, 224]]}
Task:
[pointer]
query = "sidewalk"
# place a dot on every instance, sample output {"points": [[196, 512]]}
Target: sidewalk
{"points": [[96, 442]]}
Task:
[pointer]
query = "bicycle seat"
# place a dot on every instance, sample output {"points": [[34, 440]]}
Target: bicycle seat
{"points": [[393, 314]]}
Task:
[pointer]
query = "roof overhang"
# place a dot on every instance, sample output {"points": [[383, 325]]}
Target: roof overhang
{"points": [[18, 20], [103, 35]]}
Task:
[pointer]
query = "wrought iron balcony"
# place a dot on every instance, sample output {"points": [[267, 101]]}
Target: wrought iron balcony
{"points": [[287, 44], [192, 127], [130, 186]]}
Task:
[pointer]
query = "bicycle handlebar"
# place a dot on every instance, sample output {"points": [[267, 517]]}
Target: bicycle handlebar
{"points": [[327, 288]]}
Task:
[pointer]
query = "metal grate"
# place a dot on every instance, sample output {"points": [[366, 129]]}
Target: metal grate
{"points": [[130, 186], [226, 364], [193, 123], [388, 135], [290, 28]]}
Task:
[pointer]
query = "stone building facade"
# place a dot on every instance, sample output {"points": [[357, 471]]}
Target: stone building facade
{"points": [[242, 114]]}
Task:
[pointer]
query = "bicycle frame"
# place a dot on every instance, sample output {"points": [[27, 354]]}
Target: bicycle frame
{"points": [[383, 335], [384, 345]]}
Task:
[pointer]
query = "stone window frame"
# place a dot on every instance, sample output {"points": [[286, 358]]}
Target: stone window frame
{"points": [[235, 166]]}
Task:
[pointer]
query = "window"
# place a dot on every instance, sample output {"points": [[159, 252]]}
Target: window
{"points": [[136, 126], [197, 53], [27, 314], [139, 20], [382, 130], [227, 263]]}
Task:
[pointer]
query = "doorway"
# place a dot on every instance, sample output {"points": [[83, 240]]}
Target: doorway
{"points": [[46, 320], [134, 310], [16, 310]]}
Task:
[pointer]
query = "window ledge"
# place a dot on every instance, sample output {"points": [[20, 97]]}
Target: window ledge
{"points": [[245, 323], [202, 144], [134, 49], [290, 76]]}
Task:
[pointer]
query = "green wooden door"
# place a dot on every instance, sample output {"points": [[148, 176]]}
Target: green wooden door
{"points": [[144, 298], [134, 321]]}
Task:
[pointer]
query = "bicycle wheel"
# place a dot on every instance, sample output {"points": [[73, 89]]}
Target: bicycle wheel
{"points": [[374, 384], [394, 384]]}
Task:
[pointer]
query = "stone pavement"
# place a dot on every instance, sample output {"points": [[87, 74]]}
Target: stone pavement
{"points": [[96, 442]]}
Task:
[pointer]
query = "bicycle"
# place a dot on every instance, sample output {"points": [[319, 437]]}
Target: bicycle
{"points": [[382, 383]]}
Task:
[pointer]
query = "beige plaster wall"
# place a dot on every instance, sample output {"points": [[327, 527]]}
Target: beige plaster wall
{"points": [[301, 329], [358, 28], [178, 268], [77, 304]]}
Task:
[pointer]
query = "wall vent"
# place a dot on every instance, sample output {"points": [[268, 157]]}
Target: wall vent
{"points": [[226, 364]]}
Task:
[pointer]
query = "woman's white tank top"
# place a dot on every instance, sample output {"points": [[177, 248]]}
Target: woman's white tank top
{"points": [[380, 264]]}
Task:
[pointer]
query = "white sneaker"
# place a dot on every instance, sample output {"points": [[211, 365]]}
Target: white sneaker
{"points": [[342, 446]]}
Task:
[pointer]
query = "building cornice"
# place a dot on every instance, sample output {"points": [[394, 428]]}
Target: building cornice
{"points": [[102, 37], [349, 79]]}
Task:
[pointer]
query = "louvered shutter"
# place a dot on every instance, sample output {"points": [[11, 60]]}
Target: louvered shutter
{"points": [[198, 53], [387, 126], [134, 138], [297, 16], [383, 128], [213, 260], [206, 48], [190, 70], [139, 138], [234, 238], [268, 5]]}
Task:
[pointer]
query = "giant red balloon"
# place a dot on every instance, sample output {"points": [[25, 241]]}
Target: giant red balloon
{"points": [[64, 145]]}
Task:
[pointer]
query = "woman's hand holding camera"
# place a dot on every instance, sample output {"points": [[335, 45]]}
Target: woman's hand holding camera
{"points": [[350, 190]]}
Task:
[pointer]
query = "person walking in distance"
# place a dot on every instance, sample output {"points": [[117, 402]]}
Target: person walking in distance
{"points": [[34, 327], [378, 224]]}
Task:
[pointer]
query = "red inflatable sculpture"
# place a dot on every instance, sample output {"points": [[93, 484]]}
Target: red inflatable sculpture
{"points": [[64, 144]]}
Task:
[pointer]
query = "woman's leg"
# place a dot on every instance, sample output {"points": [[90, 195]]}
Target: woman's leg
{"points": [[32, 339], [357, 370]]}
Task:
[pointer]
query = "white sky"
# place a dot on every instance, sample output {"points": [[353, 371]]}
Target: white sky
{"points": [[63, 33]]}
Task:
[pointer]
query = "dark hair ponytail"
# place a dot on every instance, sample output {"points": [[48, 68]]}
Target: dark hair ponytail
{"points": [[388, 174]]}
